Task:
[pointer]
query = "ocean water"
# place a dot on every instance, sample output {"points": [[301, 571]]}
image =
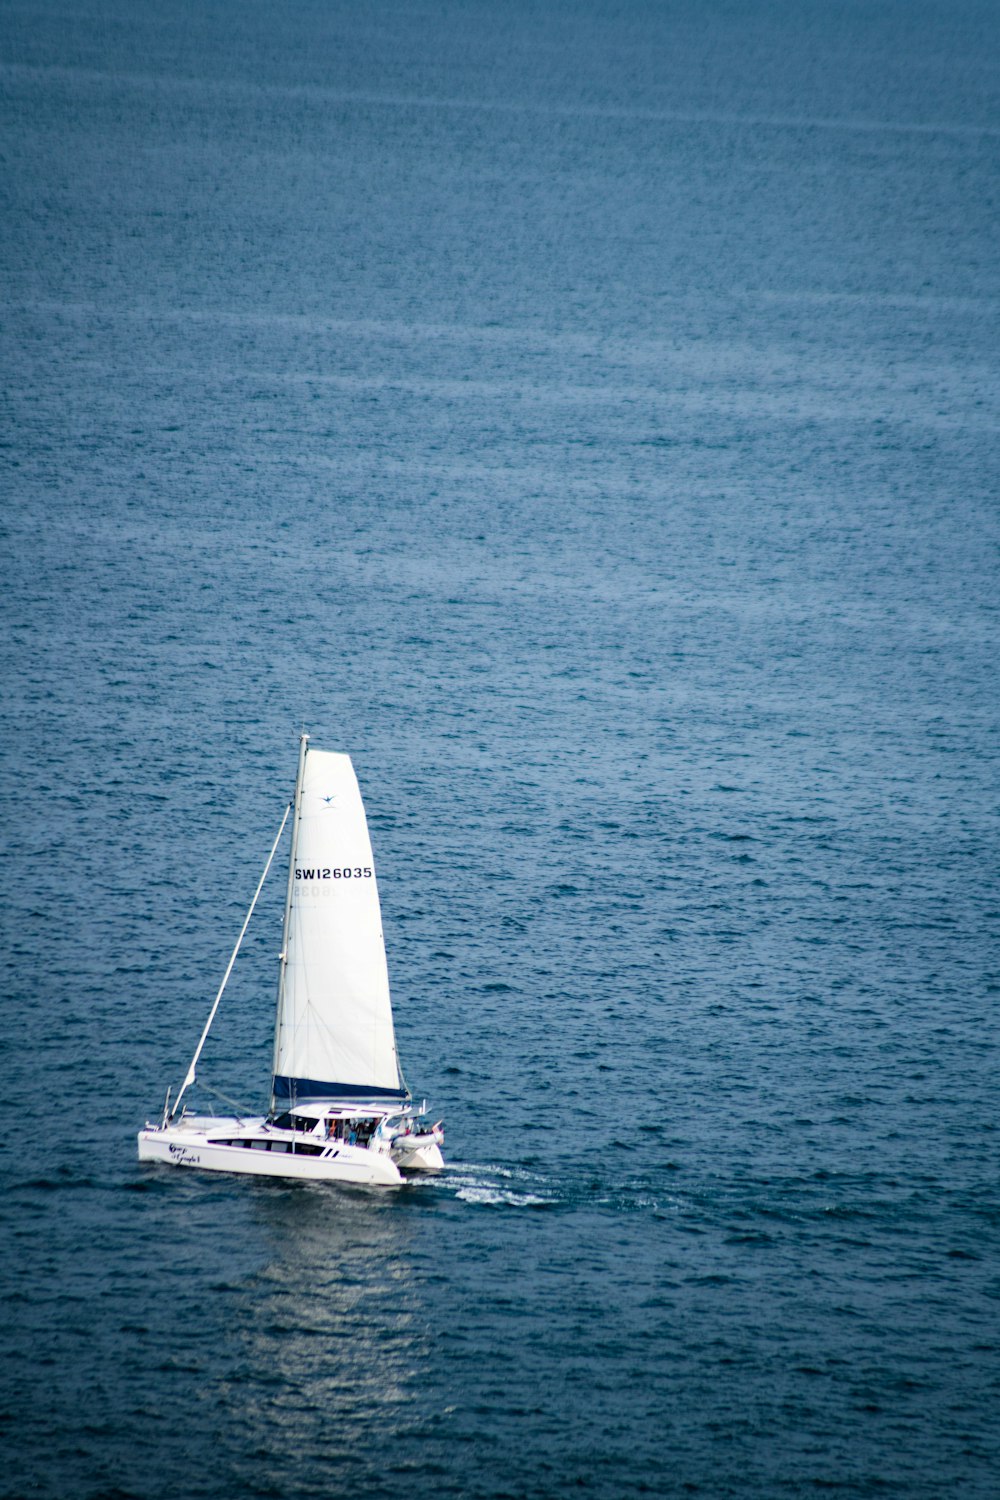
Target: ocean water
{"points": [[585, 414]]}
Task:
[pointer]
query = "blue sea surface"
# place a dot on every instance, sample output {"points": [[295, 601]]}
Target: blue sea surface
{"points": [[585, 414]]}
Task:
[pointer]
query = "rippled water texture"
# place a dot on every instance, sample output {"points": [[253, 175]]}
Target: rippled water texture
{"points": [[586, 415]]}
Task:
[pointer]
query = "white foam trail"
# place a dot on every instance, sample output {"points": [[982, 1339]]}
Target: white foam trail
{"points": [[493, 1185]]}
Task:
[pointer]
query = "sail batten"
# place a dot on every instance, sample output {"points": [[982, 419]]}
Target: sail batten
{"points": [[334, 1035]]}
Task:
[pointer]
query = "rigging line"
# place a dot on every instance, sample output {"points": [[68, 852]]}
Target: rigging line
{"points": [[225, 978], [241, 1113]]}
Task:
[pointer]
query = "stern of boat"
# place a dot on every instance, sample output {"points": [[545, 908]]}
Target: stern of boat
{"points": [[418, 1153]]}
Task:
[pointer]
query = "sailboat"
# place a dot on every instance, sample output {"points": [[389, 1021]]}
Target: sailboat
{"points": [[340, 1110]]}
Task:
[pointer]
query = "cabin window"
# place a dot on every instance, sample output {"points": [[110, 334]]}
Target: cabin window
{"points": [[290, 1121]]}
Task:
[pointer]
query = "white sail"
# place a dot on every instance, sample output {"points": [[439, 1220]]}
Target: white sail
{"points": [[334, 1036]]}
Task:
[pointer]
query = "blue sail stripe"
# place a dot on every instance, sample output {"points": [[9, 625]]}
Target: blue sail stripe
{"points": [[291, 1091]]}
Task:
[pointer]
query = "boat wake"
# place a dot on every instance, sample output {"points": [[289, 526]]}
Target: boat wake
{"points": [[494, 1186]]}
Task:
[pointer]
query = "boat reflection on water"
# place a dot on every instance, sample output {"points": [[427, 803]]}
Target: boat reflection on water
{"points": [[333, 1339]]}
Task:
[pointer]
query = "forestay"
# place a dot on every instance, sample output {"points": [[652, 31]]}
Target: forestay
{"points": [[334, 1036]]}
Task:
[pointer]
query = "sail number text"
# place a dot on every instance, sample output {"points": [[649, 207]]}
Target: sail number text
{"points": [[346, 872]]}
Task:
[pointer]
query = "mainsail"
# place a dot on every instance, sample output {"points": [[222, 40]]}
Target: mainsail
{"points": [[334, 1036]]}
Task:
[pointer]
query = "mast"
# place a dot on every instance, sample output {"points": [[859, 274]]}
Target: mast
{"points": [[283, 955]]}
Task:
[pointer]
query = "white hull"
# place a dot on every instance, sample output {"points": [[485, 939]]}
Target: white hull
{"points": [[419, 1158], [221, 1145], [259, 1148]]}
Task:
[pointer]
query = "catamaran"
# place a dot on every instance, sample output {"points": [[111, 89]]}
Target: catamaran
{"points": [[340, 1109]]}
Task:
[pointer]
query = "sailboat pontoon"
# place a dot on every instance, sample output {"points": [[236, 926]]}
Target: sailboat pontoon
{"points": [[340, 1110]]}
